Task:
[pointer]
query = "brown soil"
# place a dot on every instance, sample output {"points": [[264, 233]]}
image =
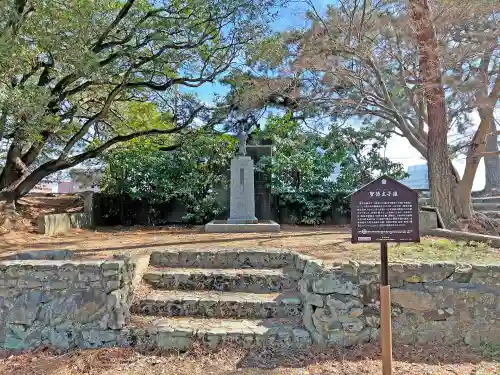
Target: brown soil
{"points": [[408, 360], [329, 243], [33, 205]]}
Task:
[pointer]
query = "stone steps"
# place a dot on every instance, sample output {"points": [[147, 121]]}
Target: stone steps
{"points": [[181, 333], [495, 199], [212, 304], [224, 258], [492, 214], [247, 280], [215, 297], [486, 206], [479, 204]]}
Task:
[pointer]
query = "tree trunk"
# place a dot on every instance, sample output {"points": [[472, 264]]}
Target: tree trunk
{"points": [[8, 203], [9, 195], [492, 163], [443, 183]]}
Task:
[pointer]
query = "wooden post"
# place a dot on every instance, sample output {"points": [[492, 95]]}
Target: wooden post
{"points": [[385, 312]]}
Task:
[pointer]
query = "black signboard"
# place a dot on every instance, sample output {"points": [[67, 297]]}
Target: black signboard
{"points": [[385, 210]]}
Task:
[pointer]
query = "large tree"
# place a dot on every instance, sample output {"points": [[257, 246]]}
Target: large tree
{"points": [[449, 192], [364, 60], [72, 71]]}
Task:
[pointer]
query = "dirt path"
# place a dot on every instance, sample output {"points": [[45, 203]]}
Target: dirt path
{"points": [[329, 243]]}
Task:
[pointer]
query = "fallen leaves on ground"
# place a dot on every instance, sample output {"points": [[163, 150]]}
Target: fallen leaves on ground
{"points": [[364, 360]]}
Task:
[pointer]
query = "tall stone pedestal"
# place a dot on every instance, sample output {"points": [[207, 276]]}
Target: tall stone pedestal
{"points": [[242, 202]]}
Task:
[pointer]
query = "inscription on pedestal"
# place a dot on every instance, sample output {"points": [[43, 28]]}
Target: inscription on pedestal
{"points": [[242, 201]]}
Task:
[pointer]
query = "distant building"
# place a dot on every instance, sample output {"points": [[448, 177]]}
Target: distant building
{"points": [[418, 178], [81, 180], [75, 180], [45, 187]]}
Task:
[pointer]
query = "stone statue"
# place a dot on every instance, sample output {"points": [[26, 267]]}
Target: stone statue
{"points": [[242, 138]]}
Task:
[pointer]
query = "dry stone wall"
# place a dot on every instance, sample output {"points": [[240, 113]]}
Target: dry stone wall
{"points": [[70, 303], [63, 304], [431, 302]]}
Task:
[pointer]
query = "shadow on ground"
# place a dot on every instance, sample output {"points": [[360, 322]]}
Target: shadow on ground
{"points": [[408, 360], [7, 245], [432, 355]]}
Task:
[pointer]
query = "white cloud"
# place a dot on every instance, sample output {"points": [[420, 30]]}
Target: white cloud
{"points": [[400, 150]]}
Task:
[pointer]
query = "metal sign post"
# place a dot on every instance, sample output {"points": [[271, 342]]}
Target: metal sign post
{"points": [[385, 211]]}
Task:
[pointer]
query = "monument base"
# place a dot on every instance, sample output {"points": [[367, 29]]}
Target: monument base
{"points": [[243, 221], [223, 226]]}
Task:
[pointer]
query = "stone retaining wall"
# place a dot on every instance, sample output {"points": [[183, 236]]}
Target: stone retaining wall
{"points": [[431, 302], [63, 304], [70, 303]]}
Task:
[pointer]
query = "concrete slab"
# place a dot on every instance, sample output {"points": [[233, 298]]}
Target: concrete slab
{"points": [[61, 223], [427, 221], [222, 226]]}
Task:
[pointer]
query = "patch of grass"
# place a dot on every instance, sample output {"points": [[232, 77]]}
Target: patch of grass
{"points": [[441, 249], [430, 249], [489, 350]]}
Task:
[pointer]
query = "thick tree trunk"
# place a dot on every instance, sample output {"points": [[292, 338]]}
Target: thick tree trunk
{"points": [[7, 203], [492, 163], [10, 194], [443, 183]]}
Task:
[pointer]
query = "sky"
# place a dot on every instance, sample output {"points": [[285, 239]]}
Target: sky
{"points": [[398, 148]]}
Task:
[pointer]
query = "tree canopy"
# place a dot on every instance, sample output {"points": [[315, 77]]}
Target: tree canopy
{"points": [[311, 170], [192, 174], [364, 61], [80, 77]]}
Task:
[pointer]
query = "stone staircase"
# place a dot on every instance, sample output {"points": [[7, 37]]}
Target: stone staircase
{"points": [[490, 206], [214, 297]]}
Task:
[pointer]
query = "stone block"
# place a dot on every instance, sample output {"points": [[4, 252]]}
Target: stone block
{"points": [[23, 313], [61, 223], [80, 220], [223, 226], [344, 305], [463, 273], [313, 268], [420, 272], [428, 220], [336, 283], [485, 274], [413, 299], [96, 338], [41, 254], [19, 337], [315, 299], [368, 272], [242, 202], [58, 339]]}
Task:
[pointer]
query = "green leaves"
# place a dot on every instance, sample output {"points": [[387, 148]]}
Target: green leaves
{"points": [[84, 73], [304, 162], [192, 173], [144, 115]]}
